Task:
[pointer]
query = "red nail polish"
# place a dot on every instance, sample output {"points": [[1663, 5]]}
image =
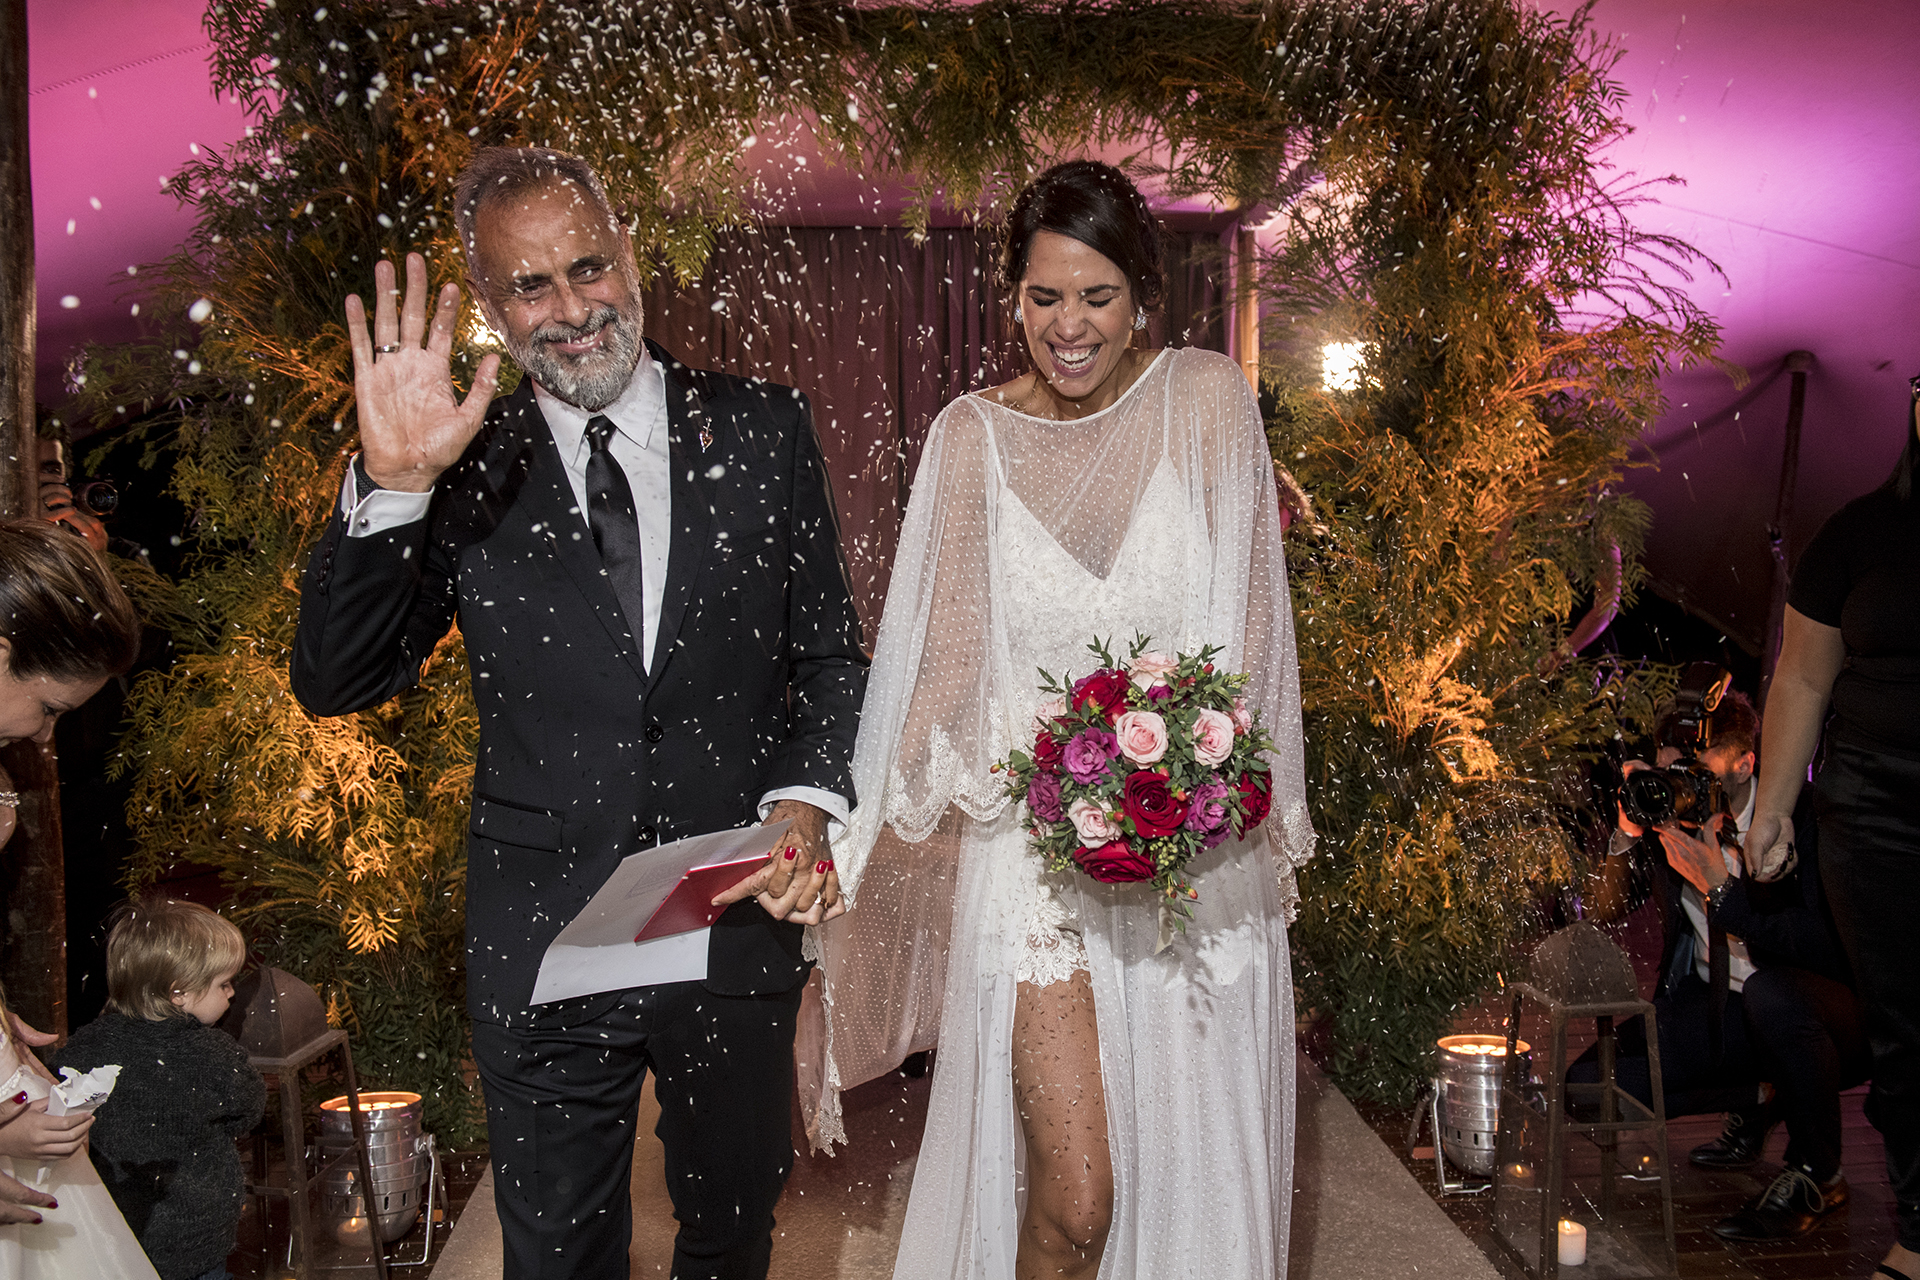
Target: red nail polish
{"points": [[821, 866], [21, 1098], [829, 864], [791, 851]]}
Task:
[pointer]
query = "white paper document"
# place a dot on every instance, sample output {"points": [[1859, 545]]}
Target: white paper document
{"points": [[597, 952]]}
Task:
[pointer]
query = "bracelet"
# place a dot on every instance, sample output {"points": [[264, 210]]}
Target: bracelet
{"points": [[9, 799], [1718, 897]]}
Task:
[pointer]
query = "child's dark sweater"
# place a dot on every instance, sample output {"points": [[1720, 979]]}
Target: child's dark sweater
{"points": [[163, 1143]]}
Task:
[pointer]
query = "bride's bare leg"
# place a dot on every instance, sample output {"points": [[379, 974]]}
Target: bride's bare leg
{"points": [[1063, 1112]]}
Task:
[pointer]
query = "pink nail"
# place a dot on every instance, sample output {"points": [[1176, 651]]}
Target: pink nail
{"points": [[821, 866]]}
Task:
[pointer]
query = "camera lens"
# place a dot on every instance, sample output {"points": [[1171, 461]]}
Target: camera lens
{"points": [[1647, 797], [97, 496]]}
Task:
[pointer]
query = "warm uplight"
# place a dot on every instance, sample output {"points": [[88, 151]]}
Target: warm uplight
{"points": [[1477, 1046], [1340, 365]]}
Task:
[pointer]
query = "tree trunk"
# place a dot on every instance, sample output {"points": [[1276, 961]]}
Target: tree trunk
{"points": [[34, 962]]}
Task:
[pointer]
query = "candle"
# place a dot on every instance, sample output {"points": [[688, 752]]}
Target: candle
{"points": [[1573, 1243], [1520, 1175]]}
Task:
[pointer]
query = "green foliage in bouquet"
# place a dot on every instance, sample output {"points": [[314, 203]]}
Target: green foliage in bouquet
{"points": [[1434, 161]]}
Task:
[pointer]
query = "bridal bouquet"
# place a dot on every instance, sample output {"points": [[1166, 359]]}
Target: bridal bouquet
{"points": [[1139, 766]]}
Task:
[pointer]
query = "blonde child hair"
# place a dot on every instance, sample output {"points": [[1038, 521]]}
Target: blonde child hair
{"points": [[162, 947]]}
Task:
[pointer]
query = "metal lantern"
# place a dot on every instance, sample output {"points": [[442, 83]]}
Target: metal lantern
{"points": [[1563, 1194]]}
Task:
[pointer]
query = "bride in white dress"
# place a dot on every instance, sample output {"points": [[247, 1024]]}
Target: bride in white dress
{"points": [[1097, 1108]]}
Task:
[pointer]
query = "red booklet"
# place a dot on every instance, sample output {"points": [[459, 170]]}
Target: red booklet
{"points": [[690, 905]]}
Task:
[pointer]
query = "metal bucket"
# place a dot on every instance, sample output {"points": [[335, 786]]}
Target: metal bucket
{"points": [[1469, 1098], [400, 1157]]}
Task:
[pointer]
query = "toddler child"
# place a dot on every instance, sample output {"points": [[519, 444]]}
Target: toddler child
{"points": [[163, 1143]]}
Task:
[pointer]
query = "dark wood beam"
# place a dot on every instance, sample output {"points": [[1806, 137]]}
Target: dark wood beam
{"points": [[33, 963]]}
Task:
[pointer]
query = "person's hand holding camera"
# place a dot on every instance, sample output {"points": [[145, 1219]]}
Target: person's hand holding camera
{"points": [[1696, 857]]}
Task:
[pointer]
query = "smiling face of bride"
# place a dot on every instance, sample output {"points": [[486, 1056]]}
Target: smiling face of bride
{"points": [[1077, 309]]}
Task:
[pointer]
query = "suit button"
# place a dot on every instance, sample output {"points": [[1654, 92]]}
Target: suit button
{"points": [[655, 732], [649, 833]]}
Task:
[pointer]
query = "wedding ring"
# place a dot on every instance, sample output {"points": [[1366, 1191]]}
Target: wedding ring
{"points": [[386, 348]]}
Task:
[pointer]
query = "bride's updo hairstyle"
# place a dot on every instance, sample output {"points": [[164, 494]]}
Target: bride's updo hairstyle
{"points": [[1095, 204]]}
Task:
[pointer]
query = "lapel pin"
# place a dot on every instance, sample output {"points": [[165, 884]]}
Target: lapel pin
{"points": [[706, 438]]}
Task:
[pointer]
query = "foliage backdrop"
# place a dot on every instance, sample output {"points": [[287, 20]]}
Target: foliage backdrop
{"points": [[1433, 166]]}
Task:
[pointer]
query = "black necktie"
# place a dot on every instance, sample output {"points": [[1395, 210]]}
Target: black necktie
{"points": [[616, 529]]}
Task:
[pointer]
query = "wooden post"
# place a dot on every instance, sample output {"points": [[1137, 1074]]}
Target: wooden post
{"points": [[32, 875], [1799, 364], [1246, 308]]}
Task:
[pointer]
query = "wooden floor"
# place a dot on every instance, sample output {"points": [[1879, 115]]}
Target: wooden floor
{"points": [[1844, 1246]]}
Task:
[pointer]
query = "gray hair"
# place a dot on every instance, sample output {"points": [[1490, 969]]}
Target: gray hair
{"points": [[503, 171]]}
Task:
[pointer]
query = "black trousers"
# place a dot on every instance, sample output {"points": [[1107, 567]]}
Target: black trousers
{"points": [[562, 1105], [1807, 1033], [1693, 1083], [1869, 808]]}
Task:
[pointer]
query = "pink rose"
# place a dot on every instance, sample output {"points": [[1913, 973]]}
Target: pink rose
{"points": [[1091, 822], [1050, 710], [1212, 737], [1142, 736], [1242, 718], [1151, 668]]}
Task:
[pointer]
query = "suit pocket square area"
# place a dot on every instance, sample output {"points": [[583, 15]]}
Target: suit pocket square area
{"points": [[513, 824]]}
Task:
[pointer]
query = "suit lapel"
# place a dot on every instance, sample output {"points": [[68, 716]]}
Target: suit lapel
{"points": [[550, 502], [693, 496]]}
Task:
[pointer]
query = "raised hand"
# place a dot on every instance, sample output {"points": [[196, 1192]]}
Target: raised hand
{"points": [[412, 427]]}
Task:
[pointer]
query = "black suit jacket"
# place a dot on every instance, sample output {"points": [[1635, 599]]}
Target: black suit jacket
{"points": [[1785, 923], [584, 756]]}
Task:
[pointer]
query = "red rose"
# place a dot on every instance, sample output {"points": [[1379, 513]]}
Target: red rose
{"points": [[1146, 799], [1103, 693], [1256, 794], [1046, 751], [1113, 863]]}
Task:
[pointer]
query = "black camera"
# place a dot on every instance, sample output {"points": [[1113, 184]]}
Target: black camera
{"points": [[99, 497], [1686, 792]]}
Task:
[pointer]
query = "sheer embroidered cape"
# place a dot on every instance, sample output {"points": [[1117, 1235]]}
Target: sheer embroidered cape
{"points": [[1022, 539]]}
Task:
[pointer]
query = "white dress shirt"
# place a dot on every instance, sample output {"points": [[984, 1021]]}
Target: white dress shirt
{"points": [[640, 444], [1739, 963]]}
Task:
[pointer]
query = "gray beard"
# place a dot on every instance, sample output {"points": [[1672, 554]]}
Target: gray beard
{"points": [[589, 382]]}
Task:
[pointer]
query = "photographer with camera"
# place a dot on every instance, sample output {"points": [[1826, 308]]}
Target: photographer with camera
{"points": [[1753, 985]]}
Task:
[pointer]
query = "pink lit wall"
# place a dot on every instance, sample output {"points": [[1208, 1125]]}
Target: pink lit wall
{"points": [[1795, 123]]}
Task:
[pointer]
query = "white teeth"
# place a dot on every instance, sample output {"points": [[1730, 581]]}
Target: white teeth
{"points": [[1076, 359]]}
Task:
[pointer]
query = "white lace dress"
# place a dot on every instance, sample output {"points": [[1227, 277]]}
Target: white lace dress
{"points": [[1024, 539]]}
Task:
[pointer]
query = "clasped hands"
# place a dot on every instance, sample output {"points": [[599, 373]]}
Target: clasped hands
{"points": [[27, 1132], [798, 882]]}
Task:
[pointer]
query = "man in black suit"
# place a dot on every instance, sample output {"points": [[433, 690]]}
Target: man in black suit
{"points": [[644, 564]]}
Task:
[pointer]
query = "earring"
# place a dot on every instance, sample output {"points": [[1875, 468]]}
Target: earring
{"points": [[1017, 317], [1140, 318]]}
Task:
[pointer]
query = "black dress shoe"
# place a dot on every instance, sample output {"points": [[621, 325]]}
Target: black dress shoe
{"points": [[1741, 1139], [1791, 1206]]}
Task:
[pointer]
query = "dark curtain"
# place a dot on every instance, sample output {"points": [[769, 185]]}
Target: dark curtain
{"points": [[880, 333]]}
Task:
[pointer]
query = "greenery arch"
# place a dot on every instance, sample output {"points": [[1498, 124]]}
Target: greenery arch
{"points": [[1435, 167]]}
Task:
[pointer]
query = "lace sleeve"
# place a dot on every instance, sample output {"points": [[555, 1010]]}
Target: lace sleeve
{"points": [[929, 732], [1248, 607]]}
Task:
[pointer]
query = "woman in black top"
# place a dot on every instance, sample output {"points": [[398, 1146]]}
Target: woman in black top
{"points": [[1852, 635]]}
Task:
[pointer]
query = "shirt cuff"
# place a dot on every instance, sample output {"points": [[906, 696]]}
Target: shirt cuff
{"points": [[833, 805], [380, 510]]}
